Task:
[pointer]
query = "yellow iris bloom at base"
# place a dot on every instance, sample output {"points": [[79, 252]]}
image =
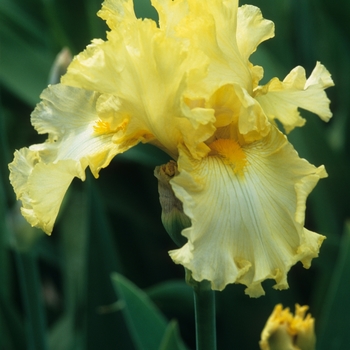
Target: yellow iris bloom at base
{"points": [[285, 331], [187, 86]]}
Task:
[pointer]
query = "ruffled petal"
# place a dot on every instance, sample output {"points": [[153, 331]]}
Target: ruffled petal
{"points": [[252, 29], [170, 14], [227, 35], [146, 83], [70, 117], [41, 174], [237, 113], [244, 203], [116, 12], [211, 26], [281, 100], [41, 187]]}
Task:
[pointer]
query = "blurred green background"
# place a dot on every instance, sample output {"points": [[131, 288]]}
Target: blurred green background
{"points": [[57, 293]]}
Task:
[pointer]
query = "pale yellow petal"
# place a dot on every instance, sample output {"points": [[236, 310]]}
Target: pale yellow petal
{"points": [[252, 122], [252, 29], [319, 77], [70, 118], [236, 111], [145, 85], [245, 223], [227, 35], [115, 12], [41, 174], [41, 187], [211, 27], [170, 14], [281, 100]]}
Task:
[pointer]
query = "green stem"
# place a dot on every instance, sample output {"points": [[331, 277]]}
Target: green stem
{"points": [[204, 302]]}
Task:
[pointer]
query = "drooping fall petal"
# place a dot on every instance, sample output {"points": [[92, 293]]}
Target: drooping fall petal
{"points": [[41, 174], [251, 198]]}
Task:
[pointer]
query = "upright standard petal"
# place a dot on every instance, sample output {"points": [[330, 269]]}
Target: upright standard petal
{"points": [[170, 13], [281, 100], [252, 29], [145, 84], [211, 26], [250, 197], [41, 174], [226, 33]]}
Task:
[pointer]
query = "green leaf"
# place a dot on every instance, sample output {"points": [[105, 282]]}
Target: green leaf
{"points": [[67, 332], [171, 339], [174, 296], [25, 54], [12, 330], [4, 254], [334, 321], [27, 265], [104, 330], [24, 71], [18, 16], [146, 324], [63, 335]]}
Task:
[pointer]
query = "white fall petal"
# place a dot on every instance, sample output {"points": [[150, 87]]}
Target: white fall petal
{"points": [[252, 230]]}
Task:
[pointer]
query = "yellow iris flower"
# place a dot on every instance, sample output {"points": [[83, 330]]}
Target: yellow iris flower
{"points": [[187, 86], [285, 331]]}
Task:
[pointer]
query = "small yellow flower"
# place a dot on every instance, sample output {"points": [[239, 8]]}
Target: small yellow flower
{"points": [[187, 86], [285, 331]]}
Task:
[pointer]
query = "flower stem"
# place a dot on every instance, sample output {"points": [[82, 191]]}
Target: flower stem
{"points": [[204, 301]]}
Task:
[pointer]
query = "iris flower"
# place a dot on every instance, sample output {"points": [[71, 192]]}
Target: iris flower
{"points": [[285, 331], [186, 85]]}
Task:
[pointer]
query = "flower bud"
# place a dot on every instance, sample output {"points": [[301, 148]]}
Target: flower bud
{"points": [[59, 67], [283, 331], [173, 218]]}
